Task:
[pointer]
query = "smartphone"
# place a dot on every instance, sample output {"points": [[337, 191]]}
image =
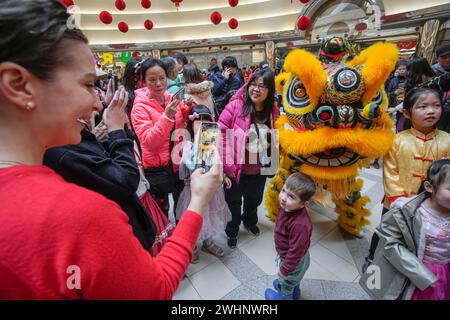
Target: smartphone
{"points": [[179, 95], [206, 138]]}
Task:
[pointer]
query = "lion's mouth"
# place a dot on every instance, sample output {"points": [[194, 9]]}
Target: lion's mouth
{"points": [[336, 157]]}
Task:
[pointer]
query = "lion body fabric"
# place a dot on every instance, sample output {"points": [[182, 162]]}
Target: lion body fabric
{"points": [[335, 122]]}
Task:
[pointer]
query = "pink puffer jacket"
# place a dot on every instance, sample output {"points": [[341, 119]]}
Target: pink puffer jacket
{"points": [[153, 128], [233, 154]]}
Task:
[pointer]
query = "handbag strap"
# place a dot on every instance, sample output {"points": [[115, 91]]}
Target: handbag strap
{"points": [[171, 144]]}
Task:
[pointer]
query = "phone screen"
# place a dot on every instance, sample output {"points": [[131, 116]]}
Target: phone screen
{"points": [[179, 95], [208, 137]]}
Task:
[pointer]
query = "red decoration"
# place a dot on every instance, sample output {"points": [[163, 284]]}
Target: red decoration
{"points": [[361, 26], [146, 4], [233, 3], [105, 17], [216, 17], [304, 1], [67, 3], [233, 23], [120, 5], [177, 3], [148, 24], [123, 27], [136, 54], [289, 43], [303, 23], [407, 45]]}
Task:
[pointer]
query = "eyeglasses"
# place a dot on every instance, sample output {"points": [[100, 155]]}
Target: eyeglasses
{"points": [[260, 87]]}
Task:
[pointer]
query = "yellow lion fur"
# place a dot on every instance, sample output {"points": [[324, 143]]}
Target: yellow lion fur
{"points": [[379, 60]]}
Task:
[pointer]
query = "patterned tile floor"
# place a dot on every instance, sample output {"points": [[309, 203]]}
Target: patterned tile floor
{"points": [[245, 272]]}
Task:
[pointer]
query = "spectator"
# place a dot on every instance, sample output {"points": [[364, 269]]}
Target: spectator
{"points": [[49, 227], [443, 57], [173, 86]]}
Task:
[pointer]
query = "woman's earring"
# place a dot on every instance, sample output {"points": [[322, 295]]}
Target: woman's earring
{"points": [[29, 105]]}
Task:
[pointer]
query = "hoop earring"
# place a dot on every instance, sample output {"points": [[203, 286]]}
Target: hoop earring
{"points": [[29, 105]]}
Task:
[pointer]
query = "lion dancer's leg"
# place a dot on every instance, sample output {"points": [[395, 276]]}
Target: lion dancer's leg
{"points": [[352, 213], [286, 167]]}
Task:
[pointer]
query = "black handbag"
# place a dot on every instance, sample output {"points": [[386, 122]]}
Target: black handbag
{"points": [[162, 179]]}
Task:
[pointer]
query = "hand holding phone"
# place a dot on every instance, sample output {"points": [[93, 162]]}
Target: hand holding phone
{"points": [[179, 95], [207, 140]]}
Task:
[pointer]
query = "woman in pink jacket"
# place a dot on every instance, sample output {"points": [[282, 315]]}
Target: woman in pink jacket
{"points": [[156, 114], [246, 123]]}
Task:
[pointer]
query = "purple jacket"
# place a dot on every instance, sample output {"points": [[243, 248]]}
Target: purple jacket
{"points": [[233, 154], [292, 238]]}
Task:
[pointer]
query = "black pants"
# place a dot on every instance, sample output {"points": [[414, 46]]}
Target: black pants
{"points": [[251, 188], [162, 199], [375, 239]]}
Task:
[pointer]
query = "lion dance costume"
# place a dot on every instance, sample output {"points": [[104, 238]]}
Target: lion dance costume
{"points": [[335, 123]]}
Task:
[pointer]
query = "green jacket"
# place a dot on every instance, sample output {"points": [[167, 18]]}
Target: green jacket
{"points": [[173, 86], [399, 254]]}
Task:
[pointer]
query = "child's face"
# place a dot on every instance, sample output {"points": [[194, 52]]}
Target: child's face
{"points": [[442, 194], [290, 201], [425, 113]]}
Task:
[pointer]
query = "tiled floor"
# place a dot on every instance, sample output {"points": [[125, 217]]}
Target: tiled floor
{"points": [[245, 272]]}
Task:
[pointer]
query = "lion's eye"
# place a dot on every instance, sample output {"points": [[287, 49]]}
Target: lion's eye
{"points": [[296, 96]]}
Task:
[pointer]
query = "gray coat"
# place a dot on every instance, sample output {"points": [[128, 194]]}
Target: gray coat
{"points": [[399, 254]]}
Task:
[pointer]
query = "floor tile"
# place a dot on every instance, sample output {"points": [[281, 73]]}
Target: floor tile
{"points": [[261, 251], [242, 267], [317, 272], [205, 260], [311, 290], [343, 270], [334, 242], [343, 291], [322, 225], [242, 293], [186, 291], [214, 282]]}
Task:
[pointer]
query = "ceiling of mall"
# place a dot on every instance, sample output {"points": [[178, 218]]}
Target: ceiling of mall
{"points": [[192, 20]]}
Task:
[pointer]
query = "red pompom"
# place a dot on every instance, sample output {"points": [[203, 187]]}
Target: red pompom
{"points": [[289, 43], [123, 27], [136, 54], [120, 4], [146, 4], [303, 23], [233, 3], [148, 24], [105, 17], [361, 26], [216, 17], [67, 3], [233, 23]]}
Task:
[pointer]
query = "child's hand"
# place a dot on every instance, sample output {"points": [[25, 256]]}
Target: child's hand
{"points": [[228, 183]]}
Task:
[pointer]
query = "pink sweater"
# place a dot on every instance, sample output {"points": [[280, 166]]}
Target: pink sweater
{"points": [[49, 228]]}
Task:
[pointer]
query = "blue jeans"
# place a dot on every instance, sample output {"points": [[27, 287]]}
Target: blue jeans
{"points": [[293, 279]]}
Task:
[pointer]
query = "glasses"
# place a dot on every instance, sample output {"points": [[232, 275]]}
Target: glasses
{"points": [[260, 87]]}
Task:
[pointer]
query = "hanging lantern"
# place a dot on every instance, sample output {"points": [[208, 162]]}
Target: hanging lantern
{"points": [[304, 1], [233, 23], [105, 17], [148, 24], [361, 26], [136, 54], [123, 27], [120, 5], [303, 23], [67, 3], [233, 3], [146, 4], [216, 17], [177, 3]]}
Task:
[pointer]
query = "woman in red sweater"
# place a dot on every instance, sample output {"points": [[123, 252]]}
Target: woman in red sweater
{"points": [[58, 240]]}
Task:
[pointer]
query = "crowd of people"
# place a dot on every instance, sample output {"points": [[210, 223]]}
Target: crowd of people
{"points": [[86, 172]]}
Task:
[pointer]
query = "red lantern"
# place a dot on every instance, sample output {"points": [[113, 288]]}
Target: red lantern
{"points": [[233, 3], [177, 3], [136, 54], [233, 23], [361, 26], [120, 5], [105, 17], [123, 27], [146, 4], [216, 17], [303, 23], [304, 1], [148, 24], [67, 3]]}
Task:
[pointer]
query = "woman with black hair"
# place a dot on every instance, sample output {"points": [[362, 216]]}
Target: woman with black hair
{"points": [[248, 115], [155, 116], [59, 240]]}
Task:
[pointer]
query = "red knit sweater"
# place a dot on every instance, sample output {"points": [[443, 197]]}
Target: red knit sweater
{"points": [[48, 225]]}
